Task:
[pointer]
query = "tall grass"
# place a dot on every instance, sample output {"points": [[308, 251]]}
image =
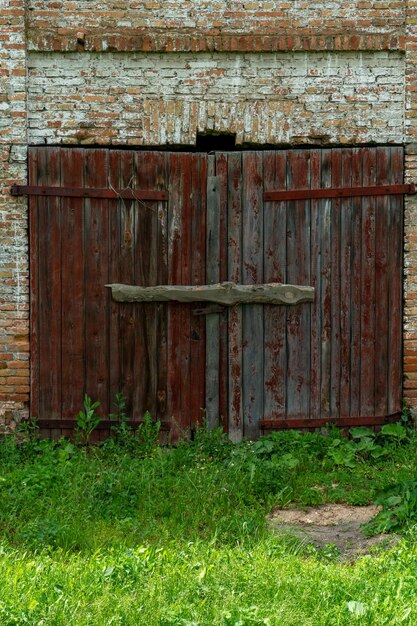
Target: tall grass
{"points": [[136, 534]]}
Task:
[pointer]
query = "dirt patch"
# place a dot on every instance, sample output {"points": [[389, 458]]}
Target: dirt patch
{"points": [[338, 525]]}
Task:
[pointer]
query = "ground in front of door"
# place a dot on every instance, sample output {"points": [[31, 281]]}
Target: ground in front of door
{"points": [[332, 526]]}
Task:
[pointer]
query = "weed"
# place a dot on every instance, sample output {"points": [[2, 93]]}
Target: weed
{"points": [[122, 431], [147, 435], [87, 420]]}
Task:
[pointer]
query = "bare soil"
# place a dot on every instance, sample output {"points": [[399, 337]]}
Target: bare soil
{"points": [[337, 525]]}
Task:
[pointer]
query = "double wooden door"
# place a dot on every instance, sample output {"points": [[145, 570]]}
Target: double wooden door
{"points": [[206, 219]]}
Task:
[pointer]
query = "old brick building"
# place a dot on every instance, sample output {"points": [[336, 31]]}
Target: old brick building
{"points": [[288, 74]]}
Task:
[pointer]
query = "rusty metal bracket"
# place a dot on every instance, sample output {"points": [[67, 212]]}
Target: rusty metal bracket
{"points": [[80, 192], [338, 192]]}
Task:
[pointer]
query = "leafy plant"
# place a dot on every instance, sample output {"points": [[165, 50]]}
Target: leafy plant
{"points": [[399, 508], [87, 420], [147, 434], [121, 430]]}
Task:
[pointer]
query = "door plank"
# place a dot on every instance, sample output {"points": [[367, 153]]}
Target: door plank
{"points": [[275, 318], [252, 273], [73, 302], [234, 229], [368, 288], [96, 275], [212, 277], [298, 272]]}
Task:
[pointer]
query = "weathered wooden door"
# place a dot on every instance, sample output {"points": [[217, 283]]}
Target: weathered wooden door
{"points": [[195, 219]]}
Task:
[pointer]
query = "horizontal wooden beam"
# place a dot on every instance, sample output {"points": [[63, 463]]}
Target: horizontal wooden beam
{"points": [[284, 424], [334, 192], [226, 293], [81, 192], [105, 424]]}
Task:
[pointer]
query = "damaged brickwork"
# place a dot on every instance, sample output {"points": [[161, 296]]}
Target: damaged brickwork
{"points": [[157, 72]]}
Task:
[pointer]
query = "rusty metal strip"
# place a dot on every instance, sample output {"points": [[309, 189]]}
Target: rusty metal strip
{"points": [[341, 192], [80, 192], [372, 420], [105, 424]]}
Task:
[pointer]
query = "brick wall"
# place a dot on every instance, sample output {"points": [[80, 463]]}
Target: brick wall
{"points": [[14, 308], [139, 98], [157, 71]]}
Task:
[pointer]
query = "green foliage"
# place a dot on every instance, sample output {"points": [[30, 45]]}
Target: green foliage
{"points": [[87, 420], [121, 534], [399, 508]]}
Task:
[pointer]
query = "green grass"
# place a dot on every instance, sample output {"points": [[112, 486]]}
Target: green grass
{"points": [[137, 534]]}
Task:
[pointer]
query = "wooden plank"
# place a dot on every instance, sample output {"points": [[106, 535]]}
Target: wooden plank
{"points": [[174, 387], [346, 278], [128, 313], [186, 208], [66, 426], [114, 274], [316, 307], [395, 255], [95, 277], [226, 294], [221, 164], [367, 365], [371, 420], [275, 318], [52, 383], [72, 250], [198, 274], [252, 273], [89, 192], [382, 235], [335, 252], [145, 364], [325, 208], [212, 276], [34, 286], [298, 272], [356, 297], [339, 192], [234, 229], [161, 313]]}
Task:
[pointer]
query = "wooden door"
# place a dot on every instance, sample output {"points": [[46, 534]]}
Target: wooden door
{"points": [[191, 219]]}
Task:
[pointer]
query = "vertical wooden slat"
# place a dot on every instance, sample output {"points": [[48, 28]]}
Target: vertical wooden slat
{"points": [[335, 250], [316, 268], [346, 277], [34, 284], [355, 303], [95, 277], [222, 174], [234, 229], [298, 272], [197, 228], [162, 279], [325, 208], [52, 381], [212, 276], [367, 406], [73, 374], [175, 374], [275, 318], [145, 364], [127, 312], [114, 276], [252, 273], [187, 201], [395, 255], [382, 230]]}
